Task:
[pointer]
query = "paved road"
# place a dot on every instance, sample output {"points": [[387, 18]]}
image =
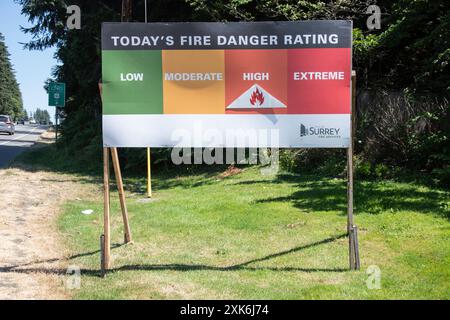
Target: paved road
{"points": [[25, 137]]}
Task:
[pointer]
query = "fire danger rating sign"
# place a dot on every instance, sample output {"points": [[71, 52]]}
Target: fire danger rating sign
{"points": [[223, 84]]}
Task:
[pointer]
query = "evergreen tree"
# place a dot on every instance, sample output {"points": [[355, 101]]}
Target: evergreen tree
{"points": [[41, 116], [10, 96], [410, 52]]}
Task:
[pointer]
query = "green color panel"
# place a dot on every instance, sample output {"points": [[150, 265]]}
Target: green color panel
{"points": [[56, 94], [132, 82]]}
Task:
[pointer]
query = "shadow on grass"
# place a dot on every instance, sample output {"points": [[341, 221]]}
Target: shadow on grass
{"points": [[26, 269], [318, 194], [313, 193], [50, 157], [167, 180]]}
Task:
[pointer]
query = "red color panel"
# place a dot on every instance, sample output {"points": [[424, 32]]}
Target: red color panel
{"points": [[256, 62], [315, 96]]}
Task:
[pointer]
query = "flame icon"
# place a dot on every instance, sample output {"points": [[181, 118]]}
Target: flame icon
{"points": [[257, 98]]}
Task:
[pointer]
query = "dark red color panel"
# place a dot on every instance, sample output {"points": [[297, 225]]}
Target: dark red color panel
{"points": [[319, 96]]}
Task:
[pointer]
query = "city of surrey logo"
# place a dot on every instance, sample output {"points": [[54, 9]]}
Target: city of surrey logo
{"points": [[319, 131]]}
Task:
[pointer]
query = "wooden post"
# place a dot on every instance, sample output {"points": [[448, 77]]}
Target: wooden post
{"points": [[352, 243], [102, 256], [149, 174], [356, 248], [123, 206], [351, 251], [127, 7], [106, 211], [149, 162]]}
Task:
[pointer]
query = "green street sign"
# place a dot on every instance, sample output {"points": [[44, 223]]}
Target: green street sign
{"points": [[56, 94]]}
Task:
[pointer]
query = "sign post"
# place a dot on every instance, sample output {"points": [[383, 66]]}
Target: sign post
{"points": [[351, 228], [230, 85], [149, 174], [149, 162], [56, 98], [56, 123]]}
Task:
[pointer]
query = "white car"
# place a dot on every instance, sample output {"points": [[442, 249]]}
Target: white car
{"points": [[6, 125]]}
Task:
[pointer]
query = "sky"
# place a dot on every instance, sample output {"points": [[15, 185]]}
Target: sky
{"points": [[32, 67]]}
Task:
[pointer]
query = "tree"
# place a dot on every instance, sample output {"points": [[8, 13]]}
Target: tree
{"points": [[10, 95], [412, 49], [80, 54], [410, 52], [41, 116]]}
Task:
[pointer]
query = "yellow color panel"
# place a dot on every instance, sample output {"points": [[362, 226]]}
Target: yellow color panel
{"points": [[193, 96]]}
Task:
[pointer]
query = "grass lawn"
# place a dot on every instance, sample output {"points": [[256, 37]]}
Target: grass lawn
{"points": [[250, 236]]}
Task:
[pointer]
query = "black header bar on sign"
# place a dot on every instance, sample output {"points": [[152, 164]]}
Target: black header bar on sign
{"points": [[230, 35]]}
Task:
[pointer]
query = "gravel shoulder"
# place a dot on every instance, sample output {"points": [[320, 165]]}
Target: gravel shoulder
{"points": [[33, 262]]}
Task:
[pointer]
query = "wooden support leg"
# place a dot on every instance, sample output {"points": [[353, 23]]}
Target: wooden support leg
{"points": [[356, 248], [351, 228], [351, 246], [149, 174], [106, 212], [102, 256], [123, 206]]}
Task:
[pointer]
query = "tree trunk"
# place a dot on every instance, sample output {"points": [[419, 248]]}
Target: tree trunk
{"points": [[127, 6]]}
